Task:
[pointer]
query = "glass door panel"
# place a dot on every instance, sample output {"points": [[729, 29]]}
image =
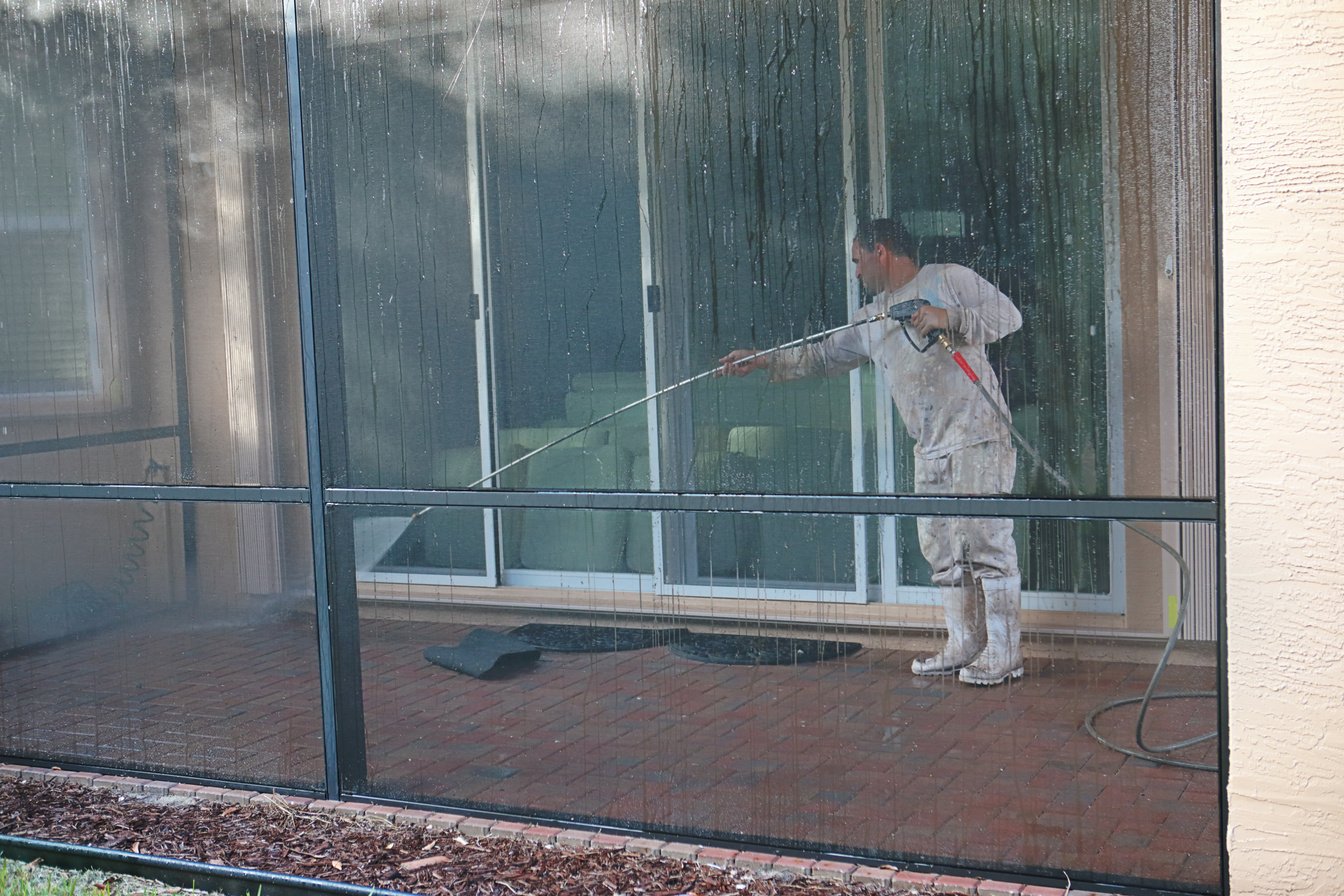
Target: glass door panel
{"points": [[994, 140], [745, 129], [395, 208], [558, 118]]}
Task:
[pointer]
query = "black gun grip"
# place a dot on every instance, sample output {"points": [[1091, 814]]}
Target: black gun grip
{"points": [[903, 311]]}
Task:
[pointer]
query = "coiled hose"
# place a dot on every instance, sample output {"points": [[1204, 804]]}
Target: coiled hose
{"points": [[135, 552], [131, 558], [1159, 753]]}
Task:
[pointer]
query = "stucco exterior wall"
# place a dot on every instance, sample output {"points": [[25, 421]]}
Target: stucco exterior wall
{"points": [[1282, 73]]}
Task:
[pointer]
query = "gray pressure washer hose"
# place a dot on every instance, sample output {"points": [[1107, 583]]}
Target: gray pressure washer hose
{"points": [[900, 313], [1157, 754]]}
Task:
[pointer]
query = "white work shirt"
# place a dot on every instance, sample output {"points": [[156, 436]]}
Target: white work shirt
{"points": [[942, 409]]}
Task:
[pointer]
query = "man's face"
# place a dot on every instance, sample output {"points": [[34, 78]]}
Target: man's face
{"points": [[868, 267]]}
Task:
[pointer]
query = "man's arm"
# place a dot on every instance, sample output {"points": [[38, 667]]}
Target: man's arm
{"points": [[741, 361], [834, 355], [978, 312]]}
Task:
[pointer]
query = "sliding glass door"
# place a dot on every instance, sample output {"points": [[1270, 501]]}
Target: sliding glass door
{"points": [[994, 132], [746, 126], [400, 247], [544, 213], [558, 110]]}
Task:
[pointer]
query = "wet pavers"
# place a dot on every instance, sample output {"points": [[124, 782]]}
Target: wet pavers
{"points": [[854, 756]]}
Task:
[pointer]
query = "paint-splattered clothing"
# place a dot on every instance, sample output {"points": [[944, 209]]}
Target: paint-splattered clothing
{"points": [[940, 407], [943, 411]]}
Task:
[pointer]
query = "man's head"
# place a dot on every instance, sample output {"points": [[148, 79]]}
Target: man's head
{"points": [[883, 254], [886, 232]]}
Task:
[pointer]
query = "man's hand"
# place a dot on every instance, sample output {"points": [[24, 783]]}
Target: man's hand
{"points": [[732, 364], [929, 318]]}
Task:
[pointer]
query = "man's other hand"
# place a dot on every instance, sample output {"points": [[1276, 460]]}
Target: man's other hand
{"points": [[732, 364], [928, 319]]}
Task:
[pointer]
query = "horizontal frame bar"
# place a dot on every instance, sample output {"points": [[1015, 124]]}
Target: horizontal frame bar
{"points": [[73, 443], [1154, 509], [231, 494], [1157, 509]]}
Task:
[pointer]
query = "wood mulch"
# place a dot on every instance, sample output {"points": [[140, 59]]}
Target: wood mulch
{"points": [[369, 852]]}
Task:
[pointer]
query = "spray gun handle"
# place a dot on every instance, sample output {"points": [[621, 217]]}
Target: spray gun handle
{"points": [[903, 311]]}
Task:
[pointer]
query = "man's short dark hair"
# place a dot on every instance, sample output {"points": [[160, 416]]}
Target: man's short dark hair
{"points": [[887, 232]]}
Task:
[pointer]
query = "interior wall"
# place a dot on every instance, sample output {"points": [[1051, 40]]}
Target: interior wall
{"points": [[1168, 277], [241, 318], [1282, 114], [1163, 289]]}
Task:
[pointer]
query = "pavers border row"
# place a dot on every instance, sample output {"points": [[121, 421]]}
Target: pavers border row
{"points": [[884, 876]]}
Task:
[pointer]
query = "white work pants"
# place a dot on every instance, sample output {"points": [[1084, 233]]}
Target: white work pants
{"points": [[952, 544]]}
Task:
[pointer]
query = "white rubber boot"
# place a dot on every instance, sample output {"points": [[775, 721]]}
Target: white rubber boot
{"points": [[963, 610], [1001, 659]]}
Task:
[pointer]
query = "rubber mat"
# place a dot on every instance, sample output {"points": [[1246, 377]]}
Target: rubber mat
{"points": [[751, 650], [594, 638], [484, 654]]}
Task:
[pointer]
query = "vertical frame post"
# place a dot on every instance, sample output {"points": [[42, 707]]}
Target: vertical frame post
{"points": [[337, 622]]}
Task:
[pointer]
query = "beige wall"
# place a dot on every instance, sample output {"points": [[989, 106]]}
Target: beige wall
{"points": [[1283, 263]]}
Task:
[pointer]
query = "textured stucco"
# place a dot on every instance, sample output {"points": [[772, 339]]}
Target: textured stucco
{"points": [[1282, 76]]}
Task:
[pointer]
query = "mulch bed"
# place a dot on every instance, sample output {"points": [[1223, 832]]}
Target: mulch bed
{"points": [[367, 852]]}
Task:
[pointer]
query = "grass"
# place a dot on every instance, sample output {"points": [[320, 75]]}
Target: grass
{"points": [[32, 879]]}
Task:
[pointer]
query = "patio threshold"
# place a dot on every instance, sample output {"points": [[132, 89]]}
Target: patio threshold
{"points": [[1045, 634]]}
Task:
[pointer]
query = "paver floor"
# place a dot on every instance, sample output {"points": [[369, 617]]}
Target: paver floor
{"points": [[853, 755]]}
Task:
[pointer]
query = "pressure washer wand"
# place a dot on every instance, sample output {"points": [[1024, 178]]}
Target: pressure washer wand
{"points": [[815, 337]]}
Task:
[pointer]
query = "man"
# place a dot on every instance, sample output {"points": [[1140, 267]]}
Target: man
{"points": [[962, 445]]}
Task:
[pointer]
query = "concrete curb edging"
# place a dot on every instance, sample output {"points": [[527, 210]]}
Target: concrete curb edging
{"points": [[885, 877]]}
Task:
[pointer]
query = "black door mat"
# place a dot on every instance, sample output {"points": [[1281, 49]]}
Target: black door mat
{"points": [[594, 638], [484, 654], [751, 650]]}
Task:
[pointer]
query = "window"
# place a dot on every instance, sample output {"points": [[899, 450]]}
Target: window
{"points": [[57, 351]]}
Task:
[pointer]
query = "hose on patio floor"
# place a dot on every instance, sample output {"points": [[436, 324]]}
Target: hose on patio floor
{"points": [[1159, 754]]}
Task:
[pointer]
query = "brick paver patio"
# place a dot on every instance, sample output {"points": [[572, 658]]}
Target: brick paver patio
{"points": [[852, 755]]}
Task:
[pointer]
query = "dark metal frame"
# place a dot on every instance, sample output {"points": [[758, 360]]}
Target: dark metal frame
{"points": [[1155, 509], [330, 507], [1101, 509]]}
